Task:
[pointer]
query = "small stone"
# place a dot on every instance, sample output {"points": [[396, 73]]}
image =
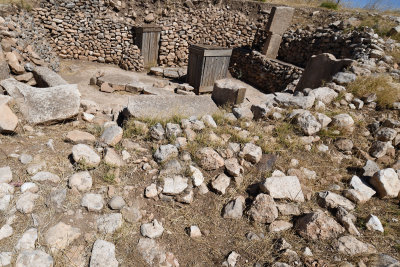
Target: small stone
{"points": [[131, 214], [5, 175], [342, 121], [332, 200], [175, 185], [209, 121], [233, 167], [263, 209], [60, 236], [374, 224], [209, 159], [157, 132], [112, 135], [117, 203], [5, 258], [109, 223], [81, 181], [279, 226], [318, 225], [231, 259], [25, 158], [286, 187], [93, 202], [307, 252], [197, 176], [103, 254], [194, 231], [34, 258], [46, 177], [151, 191], [6, 231], [79, 137], [165, 152], [221, 183], [27, 241], [26, 202], [152, 230], [83, 154], [349, 245], [234, 209], [252, 153], [370, 168], [112, 158], [386, 183], [173, 130]]}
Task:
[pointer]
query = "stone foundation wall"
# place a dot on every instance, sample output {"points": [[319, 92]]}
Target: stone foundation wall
{"points": [[265, 74], [101, 31], [298, 46], [85, 30]]}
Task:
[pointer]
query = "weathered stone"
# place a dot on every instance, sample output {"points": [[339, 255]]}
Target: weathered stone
{"points": [[272, 45], [318, 225], [349, 245], [27, 241], [44, 105], [197, 176], [81, 181], [324, 94], [112, 158], [8, 120], [109, 223], [93, 202], [234, 209], [83, 154], [221, 183], [103, 254], [116, 203], [386, 182], [252, 153], [342, 121], [233, 167], [209, 159], [280, 19], [175, 185], [279, 226], [46, 177], [162, 107], [45, 77], [308, 123], [344, 78], [79, 137], [374, 224], [61, 236], [165, 152], [157, 132], [152, 230], [228, 91], [370, 168], [5, 174], [26, 202], [286, 187], [331, 200], [263, 209], [111, 135], [321, 68], [34, 258]]}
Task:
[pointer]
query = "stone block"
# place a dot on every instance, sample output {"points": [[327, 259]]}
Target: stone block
{"points": [[321, 68], [280, 19], [228, 91], [271, 46]]}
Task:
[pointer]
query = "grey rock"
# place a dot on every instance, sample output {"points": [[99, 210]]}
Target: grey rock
{"points": [[34, 258], [344, 78], [386, 182], [374, 224], [45, 77], [109, 223], [165, 152], [5, 174], [286, 187], [221, 183], [324, 94], [112, 135], [263, 209], [234, 209], [103, 254], [157, 132], [93, 202], [351, 246], [85, 155], [116, 203], [175, 185], [332, 200], [152, 230]]}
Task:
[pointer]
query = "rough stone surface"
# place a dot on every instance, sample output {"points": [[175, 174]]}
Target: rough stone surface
{"points": [[318, 225], [60, 236], [34, 258], [234, 209], [209, 159], [165, 152], [82, 153], [221, 183], [103, 254], [81, 181], [111, 135], [93, 202], [152, 230], [286, 187], [175, 185], [228, 91], [351, 246], [252, 153], [263, 209], [109, 223], [8, 120], [386, 182]]}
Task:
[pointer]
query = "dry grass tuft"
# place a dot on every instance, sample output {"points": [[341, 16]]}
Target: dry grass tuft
{"points": [[381, 25], [21, 4], [386, 90]]}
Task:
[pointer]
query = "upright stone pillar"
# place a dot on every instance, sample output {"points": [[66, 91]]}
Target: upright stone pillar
{"points": [[278, 22], [147, 38]]}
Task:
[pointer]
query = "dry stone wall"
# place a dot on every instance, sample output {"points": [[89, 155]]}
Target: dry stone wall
{"points": [[268, 75], [85, 30], [98, 31], [299, 45]]}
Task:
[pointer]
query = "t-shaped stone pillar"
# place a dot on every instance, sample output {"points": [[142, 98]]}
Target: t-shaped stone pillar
{"points": [[278, 22]]}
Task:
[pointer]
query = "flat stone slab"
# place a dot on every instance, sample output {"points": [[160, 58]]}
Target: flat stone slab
{"points": [[117, 81], [164, 106], [45, 77]]}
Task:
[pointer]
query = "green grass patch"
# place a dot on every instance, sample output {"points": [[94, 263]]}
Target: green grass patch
{"points": [[329, 5]]}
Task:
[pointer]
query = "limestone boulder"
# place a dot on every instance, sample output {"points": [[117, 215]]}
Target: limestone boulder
{"points": [[318, 225]]}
